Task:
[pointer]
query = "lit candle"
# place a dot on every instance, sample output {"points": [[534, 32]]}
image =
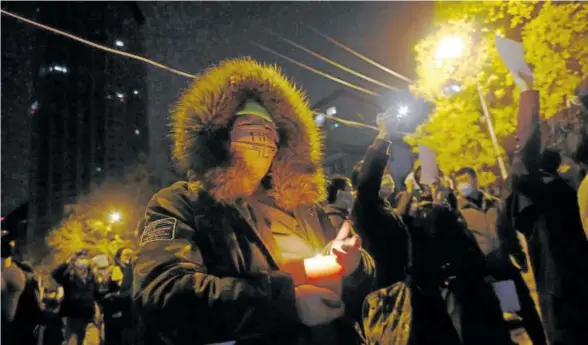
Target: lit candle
{"points": [[320, 267], [324, 271]]}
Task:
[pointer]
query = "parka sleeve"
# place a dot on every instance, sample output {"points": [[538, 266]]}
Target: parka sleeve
{"points": [[175, 293]]}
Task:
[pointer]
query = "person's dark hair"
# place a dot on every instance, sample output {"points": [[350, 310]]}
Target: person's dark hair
{"points": [[468, 171], [355, 174], [117, 256], [338, 182], [550, 161]]}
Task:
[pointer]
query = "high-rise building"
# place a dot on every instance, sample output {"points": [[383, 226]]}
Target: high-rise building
{"points": [[88, 107]]}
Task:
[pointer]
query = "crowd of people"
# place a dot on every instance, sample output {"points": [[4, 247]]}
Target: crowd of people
{"points": [[257, 246], [88, 291]]}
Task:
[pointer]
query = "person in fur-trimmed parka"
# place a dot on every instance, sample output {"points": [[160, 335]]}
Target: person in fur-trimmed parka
{"points": [[221, 255]]}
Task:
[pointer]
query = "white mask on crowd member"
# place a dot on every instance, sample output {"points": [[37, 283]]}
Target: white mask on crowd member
{"points": [[387, 186], [465, 189]]}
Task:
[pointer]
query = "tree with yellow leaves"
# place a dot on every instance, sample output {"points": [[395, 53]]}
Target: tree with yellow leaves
{"points": [[555, 41], [102, 221]]}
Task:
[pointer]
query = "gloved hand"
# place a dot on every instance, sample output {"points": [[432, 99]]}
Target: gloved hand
{"points": [[347, 248], [317, 306]]}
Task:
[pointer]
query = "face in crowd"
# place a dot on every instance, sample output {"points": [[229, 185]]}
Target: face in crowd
{"points": [[126, 255], [467, 183]]}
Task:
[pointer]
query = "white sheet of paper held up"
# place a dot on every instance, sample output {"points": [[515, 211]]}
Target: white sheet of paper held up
{"points": [[429, 170], [507, 295], [513, 55]]}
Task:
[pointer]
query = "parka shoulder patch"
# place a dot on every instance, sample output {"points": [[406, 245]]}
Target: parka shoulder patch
{"points": [[159, 230]]}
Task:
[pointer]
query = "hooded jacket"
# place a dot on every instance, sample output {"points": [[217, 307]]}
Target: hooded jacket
{"points": [[206, 270]]}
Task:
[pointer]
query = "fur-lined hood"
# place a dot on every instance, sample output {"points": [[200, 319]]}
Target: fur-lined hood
{"points": [[203, 117]]}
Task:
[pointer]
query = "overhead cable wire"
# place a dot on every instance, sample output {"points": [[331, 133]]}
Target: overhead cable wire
{"points": [[361, 56], [333, 63], [314, 70], [99, 46], [192, 76]]}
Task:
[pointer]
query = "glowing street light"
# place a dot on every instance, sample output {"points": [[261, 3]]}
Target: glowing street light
{"points": [[115, 217], [402, 111], [450, 47]]}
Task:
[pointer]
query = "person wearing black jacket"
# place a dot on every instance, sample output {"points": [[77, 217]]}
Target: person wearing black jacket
{"points": [[545, 210], [382, 232], [221, 256], [116, 302], [486, 220], [80, 288]]}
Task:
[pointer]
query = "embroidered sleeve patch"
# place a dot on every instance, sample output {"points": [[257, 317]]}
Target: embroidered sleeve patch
{"points": [[159, 230]]}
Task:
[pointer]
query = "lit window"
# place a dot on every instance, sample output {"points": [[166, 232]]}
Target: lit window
{"points": [[136, 92], [119, 43], [137, 132], [57, 68], [34, 108], [99, 169]]}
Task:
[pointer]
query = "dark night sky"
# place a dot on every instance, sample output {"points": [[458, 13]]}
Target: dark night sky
{"points": [[193, 35]]}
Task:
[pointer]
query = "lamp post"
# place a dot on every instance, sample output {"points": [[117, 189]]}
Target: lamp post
{"points": [[114, 217]]}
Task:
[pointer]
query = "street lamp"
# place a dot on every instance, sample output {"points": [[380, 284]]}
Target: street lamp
{"points": [[451, 48], [115, 217], [402, 111]]}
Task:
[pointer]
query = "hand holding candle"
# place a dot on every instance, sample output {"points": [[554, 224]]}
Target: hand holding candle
{"points": [[324, 271], [322, 267], [346, 247]]}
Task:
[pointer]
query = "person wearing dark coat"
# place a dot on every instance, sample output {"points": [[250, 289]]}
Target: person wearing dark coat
{"points": [[339, 200], [382, 232], [80, 292], [545, 210], [22, 307], [116, 302], [484, 217], [444, 298], [221, 257], [53, 324]]}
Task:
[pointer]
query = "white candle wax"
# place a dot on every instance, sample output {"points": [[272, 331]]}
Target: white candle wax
{"points": [[320, 266], [324, 271]]}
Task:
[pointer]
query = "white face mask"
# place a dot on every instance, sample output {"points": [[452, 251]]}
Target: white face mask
{"points": [[465, 189], [387, 187]]}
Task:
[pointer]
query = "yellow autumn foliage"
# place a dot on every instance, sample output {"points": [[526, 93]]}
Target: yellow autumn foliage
{"points": [[556, 44], [87, 224]]}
